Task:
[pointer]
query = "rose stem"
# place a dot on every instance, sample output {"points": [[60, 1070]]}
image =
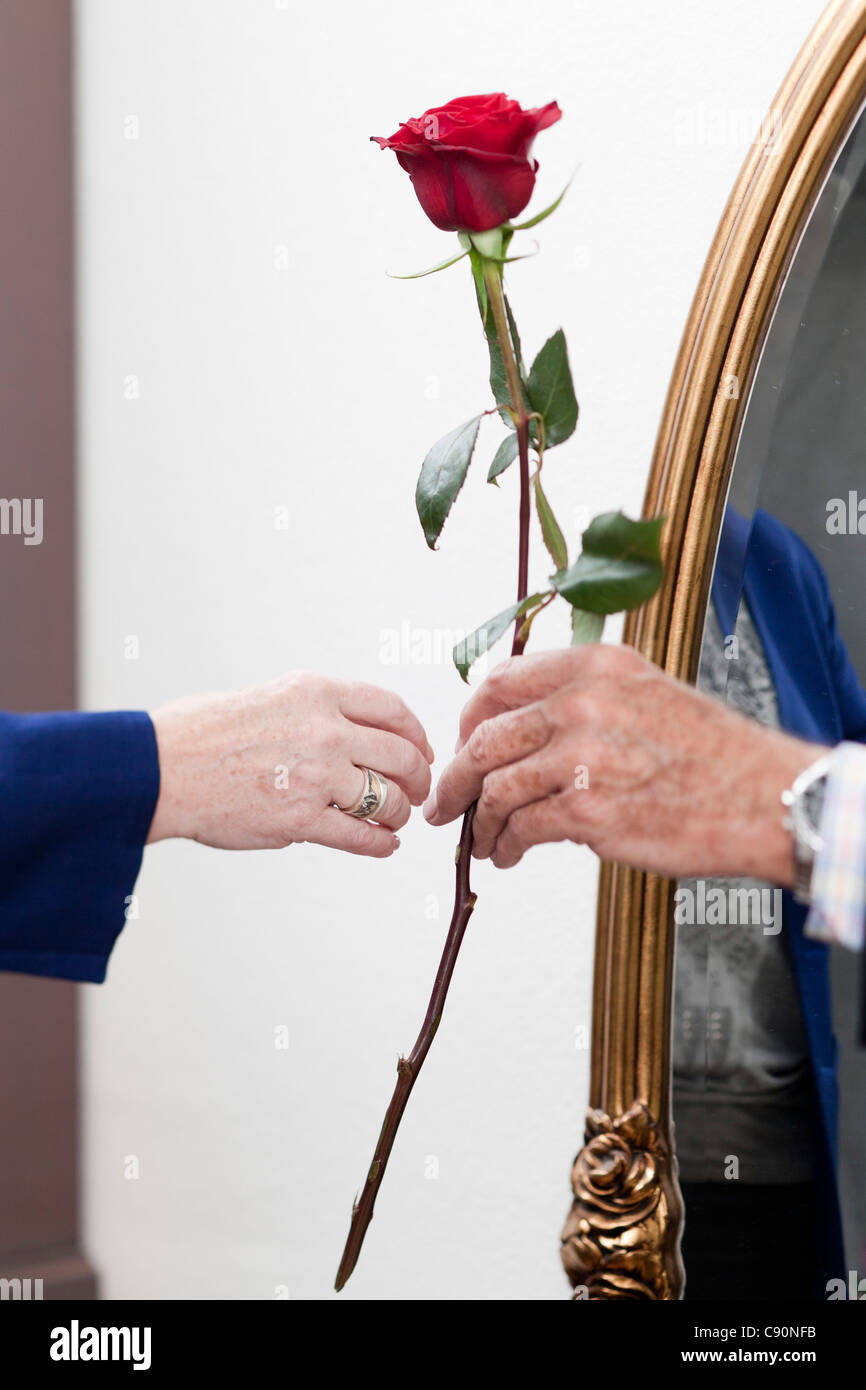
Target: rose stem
{"points": [[493, 281], [409, 1067]]}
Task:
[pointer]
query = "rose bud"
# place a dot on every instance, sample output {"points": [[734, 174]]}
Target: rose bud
{"points": [[469, 160]]}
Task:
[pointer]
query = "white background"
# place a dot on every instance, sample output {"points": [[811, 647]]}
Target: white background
{"points": [[235, 227]]}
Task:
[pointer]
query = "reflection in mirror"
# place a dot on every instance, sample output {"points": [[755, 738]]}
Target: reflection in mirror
{"points": [[770, 1126]]}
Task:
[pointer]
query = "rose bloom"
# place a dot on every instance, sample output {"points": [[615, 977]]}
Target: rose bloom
{"points": [[469, 159]]}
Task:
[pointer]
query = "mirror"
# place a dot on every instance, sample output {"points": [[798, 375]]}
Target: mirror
{"points": [[720, 1057], [774, 1197]]}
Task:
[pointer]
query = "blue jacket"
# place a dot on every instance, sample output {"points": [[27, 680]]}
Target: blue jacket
{"points": [[77, 796], [820, 698]]}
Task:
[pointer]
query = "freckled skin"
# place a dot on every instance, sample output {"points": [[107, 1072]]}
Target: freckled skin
{"points": [[266, 767], [677, 783]]}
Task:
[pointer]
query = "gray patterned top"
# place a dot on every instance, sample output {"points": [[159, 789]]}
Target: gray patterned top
{"points": [[742, 1079]]}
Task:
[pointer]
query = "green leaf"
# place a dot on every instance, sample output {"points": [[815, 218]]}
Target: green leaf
{"points": [[483, 638], [550, 529], [515, 336], [443, 473], [478, 276], [419, 274], [498, 380], [619, 566], [551, 392], [504, 457], [585, 627], [540, 216]]}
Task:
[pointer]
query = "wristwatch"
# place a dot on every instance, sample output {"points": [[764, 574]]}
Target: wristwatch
{"points": [[804, 803]]}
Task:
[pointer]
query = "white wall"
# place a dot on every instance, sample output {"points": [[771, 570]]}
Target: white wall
{"points": [[321, 387]]}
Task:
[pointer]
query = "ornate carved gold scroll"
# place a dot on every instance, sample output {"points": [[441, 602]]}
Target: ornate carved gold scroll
{"points": [[614, 1239]]}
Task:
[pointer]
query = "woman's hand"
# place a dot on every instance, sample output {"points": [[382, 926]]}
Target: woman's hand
{"points": [[267, 767]]}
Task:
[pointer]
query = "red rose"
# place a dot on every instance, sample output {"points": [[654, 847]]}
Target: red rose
{"points": [[469, 160]]}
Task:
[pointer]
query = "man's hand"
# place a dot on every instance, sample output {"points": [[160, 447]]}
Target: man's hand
{"points": [[266, 767], [596, 745]]}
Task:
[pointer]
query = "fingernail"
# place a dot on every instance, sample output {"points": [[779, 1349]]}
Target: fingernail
{"points": [[431, 756], [430, 807], [396, 844]]}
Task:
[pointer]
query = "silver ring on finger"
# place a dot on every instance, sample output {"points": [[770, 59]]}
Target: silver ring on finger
{"points": [[372, 798]]}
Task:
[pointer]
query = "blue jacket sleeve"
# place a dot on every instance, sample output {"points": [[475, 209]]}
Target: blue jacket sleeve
{"points": [[77, 796]]}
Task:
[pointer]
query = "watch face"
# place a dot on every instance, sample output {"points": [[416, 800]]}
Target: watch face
{"points": [[813, 803]]}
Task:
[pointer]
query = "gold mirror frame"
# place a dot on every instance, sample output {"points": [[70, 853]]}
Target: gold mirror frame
{"points": [[621, 1239]]}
